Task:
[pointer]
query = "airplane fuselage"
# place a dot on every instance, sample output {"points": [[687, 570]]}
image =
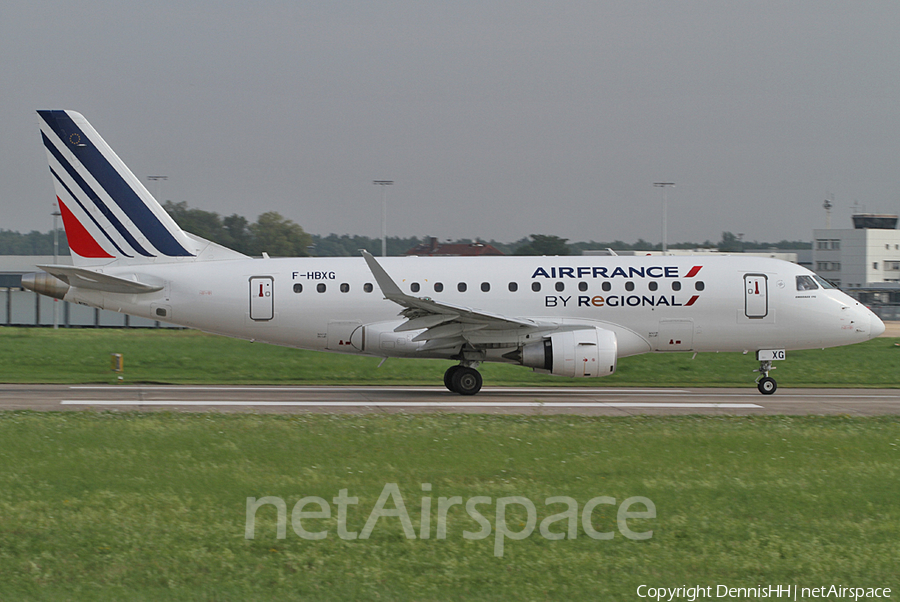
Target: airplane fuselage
{"points": [[692, 303]]}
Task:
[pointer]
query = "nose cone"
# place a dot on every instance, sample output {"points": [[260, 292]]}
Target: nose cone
{"points": [[876, 326]]}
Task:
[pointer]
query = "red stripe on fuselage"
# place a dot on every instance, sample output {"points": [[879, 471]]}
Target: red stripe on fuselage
{"points": [[80, 240], [691, 302], [693, 271]]}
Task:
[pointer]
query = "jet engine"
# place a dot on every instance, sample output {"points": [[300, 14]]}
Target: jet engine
{"points": [[586, 352], [45, 284]]}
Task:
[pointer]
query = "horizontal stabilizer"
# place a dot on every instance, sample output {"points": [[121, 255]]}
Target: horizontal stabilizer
{"points": [[85, 278]]}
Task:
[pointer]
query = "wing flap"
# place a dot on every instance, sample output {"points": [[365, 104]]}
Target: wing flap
{"points": [[426, 321], [453, 329], [452, 343]]}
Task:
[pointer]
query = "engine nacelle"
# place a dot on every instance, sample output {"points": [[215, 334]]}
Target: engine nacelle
{"points": [[45, 284], [586, 352]]}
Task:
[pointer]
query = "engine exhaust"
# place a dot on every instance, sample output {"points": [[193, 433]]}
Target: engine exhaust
{"points": [[45, 284]]}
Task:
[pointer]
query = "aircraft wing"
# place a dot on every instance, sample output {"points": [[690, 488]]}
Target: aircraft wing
{"points": [[446, 325], [85, 278]]}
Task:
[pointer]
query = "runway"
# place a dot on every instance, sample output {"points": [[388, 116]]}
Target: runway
{"points": [[595, 401]]}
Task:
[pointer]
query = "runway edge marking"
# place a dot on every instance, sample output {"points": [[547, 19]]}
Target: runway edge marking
{"points": [[413, 404]]}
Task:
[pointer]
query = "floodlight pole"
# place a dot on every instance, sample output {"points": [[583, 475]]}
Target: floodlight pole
{"points": [[158, 180], [383, 183], [56, 215], [665, 210]]}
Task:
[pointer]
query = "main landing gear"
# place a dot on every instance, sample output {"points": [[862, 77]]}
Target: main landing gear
{"points": [[765, 383], [463, 379]]}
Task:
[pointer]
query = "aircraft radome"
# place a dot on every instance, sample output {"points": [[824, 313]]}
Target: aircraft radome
{"points": [[570, 316]]}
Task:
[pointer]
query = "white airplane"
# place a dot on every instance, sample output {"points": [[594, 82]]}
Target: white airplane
{"points": [[570, 316]]}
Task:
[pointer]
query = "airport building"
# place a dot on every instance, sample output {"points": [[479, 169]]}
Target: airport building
{"points": [[434, 248], [864, 261], [856, 257]]}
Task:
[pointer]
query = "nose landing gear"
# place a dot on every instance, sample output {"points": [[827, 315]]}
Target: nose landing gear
{"points": [[765, 383]]}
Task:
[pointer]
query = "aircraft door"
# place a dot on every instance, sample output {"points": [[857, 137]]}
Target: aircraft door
{"points": [[756, 295], [262, 300]]}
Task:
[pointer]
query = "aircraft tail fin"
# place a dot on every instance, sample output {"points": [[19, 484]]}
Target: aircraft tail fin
{"points": [[107, 212]]}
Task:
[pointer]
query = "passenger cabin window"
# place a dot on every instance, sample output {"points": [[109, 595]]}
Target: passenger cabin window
{"points": [[606, 286], [439, 287], [513, 287], [806, 283], [653, 285], [320, 287], [368, 287], [298, 288], [485, 287], [345, 288], [582, 286], [629, 286], [560, 287], [699, 285], [414, 287], [536, 287], [676, 286], [461, 287]]}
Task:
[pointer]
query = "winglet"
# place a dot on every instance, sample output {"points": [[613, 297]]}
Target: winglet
{"points": [[388, 287]]}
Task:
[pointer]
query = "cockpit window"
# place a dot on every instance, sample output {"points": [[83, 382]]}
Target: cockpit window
{"points": [[806, 283], [823, 282]]}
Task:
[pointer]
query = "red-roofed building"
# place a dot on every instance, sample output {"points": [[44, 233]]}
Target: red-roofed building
{"points": [[437, 248]]}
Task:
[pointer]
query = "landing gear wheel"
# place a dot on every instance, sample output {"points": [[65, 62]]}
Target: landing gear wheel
{"points": [[448, 378], [466, 381], [767, 385]]}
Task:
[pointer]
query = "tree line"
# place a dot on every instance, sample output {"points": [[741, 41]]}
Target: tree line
{"points": [[280, 237]]}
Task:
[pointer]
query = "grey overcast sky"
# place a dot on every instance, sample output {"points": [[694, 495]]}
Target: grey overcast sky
{"points": [[495, 119]]}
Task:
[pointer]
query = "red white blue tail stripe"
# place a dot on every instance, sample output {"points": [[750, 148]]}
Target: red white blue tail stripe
{"points": [[108, 214]]}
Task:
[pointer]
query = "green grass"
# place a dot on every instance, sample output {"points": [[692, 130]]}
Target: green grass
{"points": [[111, 506], [190, 357]]}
